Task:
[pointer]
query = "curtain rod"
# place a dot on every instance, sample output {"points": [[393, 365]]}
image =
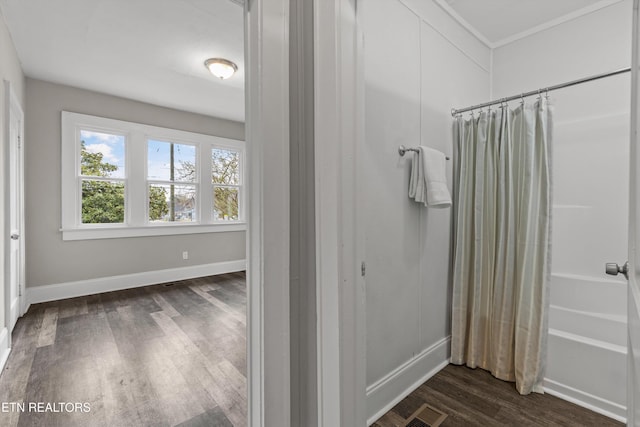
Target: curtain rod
{"points": [[455, 112]]}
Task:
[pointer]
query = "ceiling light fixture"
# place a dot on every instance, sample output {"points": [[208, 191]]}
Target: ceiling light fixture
{"points": [[220, 67]]}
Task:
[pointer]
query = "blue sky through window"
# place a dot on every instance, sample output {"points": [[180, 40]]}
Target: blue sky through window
{"points": [[159, 161], [110, 146]]}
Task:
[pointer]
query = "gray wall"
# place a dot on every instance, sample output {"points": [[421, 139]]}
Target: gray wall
{"points": [[10, 71], [50, 260]]}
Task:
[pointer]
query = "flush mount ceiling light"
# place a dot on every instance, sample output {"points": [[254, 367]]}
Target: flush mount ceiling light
{"points": [[220, 67]]}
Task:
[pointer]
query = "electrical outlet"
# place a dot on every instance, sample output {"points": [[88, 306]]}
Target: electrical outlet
{"points": [[185, 255]]}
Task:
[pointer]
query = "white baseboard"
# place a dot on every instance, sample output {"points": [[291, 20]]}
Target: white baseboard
{"points": [[398, 384], [4, 348], [126, 281], [586, 400]]}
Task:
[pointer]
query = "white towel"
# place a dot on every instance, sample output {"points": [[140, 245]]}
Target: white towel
{"points": [[428, 182], [417, 187]]}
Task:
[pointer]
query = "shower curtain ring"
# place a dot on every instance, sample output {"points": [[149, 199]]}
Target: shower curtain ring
{"points": [[522, 98]]}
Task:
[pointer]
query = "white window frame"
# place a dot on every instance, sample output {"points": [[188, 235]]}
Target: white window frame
{"points": [[136, 223]]}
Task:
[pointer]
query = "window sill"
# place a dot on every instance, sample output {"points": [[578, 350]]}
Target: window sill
{"points": [[148, 231]]}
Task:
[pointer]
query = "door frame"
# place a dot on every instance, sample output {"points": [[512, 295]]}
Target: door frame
{"points": [[12, 107], [338, 136], [633, 296], [268, 228], [338, 139]]}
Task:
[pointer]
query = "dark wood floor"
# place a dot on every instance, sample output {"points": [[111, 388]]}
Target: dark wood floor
{"points": [[472, 397], [163, 355]]}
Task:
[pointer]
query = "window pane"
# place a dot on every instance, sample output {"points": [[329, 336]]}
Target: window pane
{"points": [[225, 204], [101, 154], [172, 203], [102, 202], [226, 166], [167, 161]]}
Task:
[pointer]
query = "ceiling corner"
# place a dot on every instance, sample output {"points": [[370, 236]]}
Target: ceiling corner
{"points": [[444, 5]]}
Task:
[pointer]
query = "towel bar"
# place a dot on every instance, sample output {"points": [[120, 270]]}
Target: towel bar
{"points": [[402, 150]]}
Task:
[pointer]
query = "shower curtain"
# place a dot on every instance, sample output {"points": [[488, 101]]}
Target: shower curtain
{"points": [[502, 207]]}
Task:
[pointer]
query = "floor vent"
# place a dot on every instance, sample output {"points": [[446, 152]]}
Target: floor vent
{"points": [[417, 423], [426, 416]]}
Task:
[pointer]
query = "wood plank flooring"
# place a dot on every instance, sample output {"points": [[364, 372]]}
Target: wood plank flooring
{"points": [[164, 355], [473, 397]]}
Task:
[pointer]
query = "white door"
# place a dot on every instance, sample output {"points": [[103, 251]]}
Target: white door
{"points": [[633, 355], [14, 198]]}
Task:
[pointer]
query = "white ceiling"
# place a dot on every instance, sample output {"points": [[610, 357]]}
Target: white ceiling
{"points": [[148, 50], [498, 21]]}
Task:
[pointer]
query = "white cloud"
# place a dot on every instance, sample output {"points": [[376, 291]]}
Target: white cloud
{"points": [[106, 150], [102, 137]]}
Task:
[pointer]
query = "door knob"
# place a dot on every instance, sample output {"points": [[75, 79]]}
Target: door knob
{"points": [[614, 269], [15, 237]]}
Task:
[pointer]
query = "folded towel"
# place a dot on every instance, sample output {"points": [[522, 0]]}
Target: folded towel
{"points": [[417, 187], [428, 182]]}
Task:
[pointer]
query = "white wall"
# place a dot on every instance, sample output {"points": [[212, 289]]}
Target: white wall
{"points": [[11, 71], [587, 340], [50, 260], [419, 64]]}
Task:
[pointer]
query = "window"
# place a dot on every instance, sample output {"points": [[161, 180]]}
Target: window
{"points": [[171, 175], [225, 177], [122, 179], [102, 177]]}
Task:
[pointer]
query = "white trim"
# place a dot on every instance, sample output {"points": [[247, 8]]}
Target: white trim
{"points": [[327, 170], [338, 134], [586, 400], [5, 350], [385, 393], [555, 22], [267, 134], [151, 230], [464, 23], [60, 291], [633, 297], [526, 33]]}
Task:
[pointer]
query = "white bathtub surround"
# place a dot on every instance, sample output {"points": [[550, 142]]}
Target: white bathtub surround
{"points": [[501, 242], [587, 349]]}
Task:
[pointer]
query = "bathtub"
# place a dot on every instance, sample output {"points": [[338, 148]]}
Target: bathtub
{"points": [[586, 356]]}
